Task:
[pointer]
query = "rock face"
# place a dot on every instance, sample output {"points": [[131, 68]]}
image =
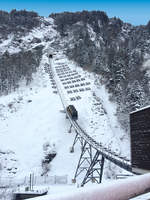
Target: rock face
{"points": [[117, 51], [18, 22]]}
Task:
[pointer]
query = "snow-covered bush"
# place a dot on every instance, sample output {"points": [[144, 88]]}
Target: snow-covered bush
{"points": [[49, 154]]}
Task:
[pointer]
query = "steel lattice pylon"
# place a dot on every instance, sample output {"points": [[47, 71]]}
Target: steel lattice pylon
{"points": [[76, 139], [91, 166], [84, 160], [89, 146], [95, 170]]}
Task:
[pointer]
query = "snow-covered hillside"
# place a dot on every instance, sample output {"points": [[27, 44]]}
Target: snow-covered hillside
{"points": [[115, 190], [32, 117], [32, 121], [96, 112]]}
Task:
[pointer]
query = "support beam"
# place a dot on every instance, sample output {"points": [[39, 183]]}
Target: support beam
{"points": [[76, 139], [95, 170], [84, 160], [69, 131]]}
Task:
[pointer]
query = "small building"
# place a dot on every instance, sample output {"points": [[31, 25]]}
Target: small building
{"points": [[140, 140]]}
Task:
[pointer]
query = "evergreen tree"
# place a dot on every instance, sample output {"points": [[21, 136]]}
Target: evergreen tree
{"points": [[135, 96]]}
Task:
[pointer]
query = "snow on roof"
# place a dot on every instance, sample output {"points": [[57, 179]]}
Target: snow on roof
{"points": [[140, 109]]}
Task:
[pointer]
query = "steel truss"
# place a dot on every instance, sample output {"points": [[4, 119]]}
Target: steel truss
{"points": [[76, 139], [95, 170], [90, 163]]}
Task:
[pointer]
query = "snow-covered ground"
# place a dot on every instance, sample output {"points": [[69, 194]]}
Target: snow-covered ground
{"points": [[32, 117], [114, 190]]}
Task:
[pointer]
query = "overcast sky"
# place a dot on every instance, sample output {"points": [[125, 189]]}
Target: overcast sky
{"points": [[135, 12]]}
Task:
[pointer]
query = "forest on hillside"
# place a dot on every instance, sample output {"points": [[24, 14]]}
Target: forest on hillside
{"points": [[114, 50], [17, 66]]}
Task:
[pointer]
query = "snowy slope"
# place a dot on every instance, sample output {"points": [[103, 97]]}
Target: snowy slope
{"points": [[93, 104], [31, 116], [37, 119], [96, 113]]}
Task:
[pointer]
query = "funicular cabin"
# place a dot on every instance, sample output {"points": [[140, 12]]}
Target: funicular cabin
{"points": [[140, 140], [71, 110], [50, 56]]}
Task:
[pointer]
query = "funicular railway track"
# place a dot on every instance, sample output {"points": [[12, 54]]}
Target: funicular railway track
{"points": [[116, 159], [122, 162]]}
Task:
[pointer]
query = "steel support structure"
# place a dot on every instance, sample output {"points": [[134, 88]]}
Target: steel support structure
{"points": [[91, 162], [76, 139], [84, 160], [95, 170]]}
